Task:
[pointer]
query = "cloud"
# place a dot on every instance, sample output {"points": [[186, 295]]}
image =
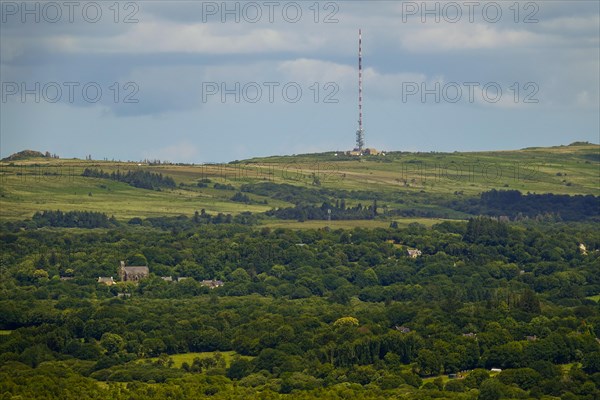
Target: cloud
{"points": [[448, 37], [312, 70], [573, 25], [11, 50], [170, 53], [159, 36], [376, 83]]}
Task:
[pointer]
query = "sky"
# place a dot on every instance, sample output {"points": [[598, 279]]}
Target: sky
{"points": [[198, 82]]}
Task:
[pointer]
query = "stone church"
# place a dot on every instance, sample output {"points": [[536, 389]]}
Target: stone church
{"points": [[132, 273]]}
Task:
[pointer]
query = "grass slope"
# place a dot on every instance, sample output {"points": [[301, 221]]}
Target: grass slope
{"points": [[36, 184], [179, 359]]}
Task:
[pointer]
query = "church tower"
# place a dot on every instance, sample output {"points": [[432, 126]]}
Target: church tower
{"points": [[122, 271]]}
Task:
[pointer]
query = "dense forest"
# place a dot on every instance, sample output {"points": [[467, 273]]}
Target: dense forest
{"points": [[488, 309]]}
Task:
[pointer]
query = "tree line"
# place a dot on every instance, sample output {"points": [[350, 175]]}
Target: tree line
{"points": [[137, 178], [73, 219], [515, 205]]}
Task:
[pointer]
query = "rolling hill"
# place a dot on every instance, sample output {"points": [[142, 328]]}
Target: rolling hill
{"points": [[409, 185]]}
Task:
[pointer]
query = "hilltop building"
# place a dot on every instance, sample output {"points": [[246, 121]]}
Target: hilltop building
{"points": [[372, 152]]}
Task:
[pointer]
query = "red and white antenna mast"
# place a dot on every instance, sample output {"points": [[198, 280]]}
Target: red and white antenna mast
{"points": [[360, 134]]}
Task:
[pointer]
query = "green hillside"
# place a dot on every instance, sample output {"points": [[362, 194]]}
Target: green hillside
{"points": [[401, 180], [244, 296]]}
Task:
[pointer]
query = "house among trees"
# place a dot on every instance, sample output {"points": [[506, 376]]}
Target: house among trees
{"points": [[106, 280], [402, 329], [211, 284], [414, 253], [132, 273]]}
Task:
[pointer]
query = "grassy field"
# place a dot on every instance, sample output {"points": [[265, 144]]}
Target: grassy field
{"points": [[4, 332], [42, 184], [23, 195], [179, 359], [595, 298], [444, 377], [562, 169]]}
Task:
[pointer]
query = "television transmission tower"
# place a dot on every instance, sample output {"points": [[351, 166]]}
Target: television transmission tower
{"points": [[360, 133]]}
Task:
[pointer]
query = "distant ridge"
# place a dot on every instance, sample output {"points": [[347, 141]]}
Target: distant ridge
{"points": [[583, 144], [27, 154]]}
